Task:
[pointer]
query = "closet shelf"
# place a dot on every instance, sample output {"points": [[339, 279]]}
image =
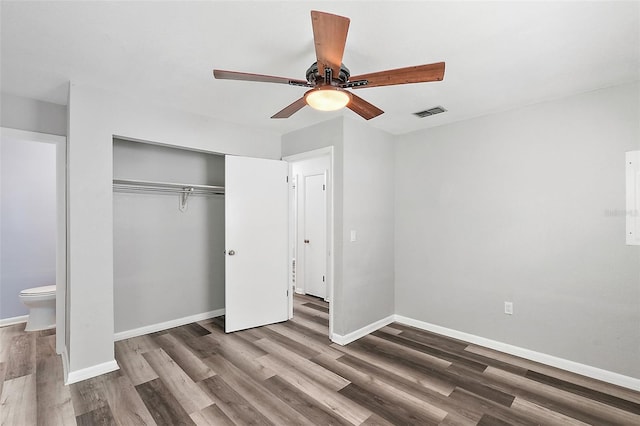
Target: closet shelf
{"points": [[125, 185]]}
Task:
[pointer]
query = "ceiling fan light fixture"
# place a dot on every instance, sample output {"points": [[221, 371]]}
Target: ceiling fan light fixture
{"points": [[328, 77], [327, 98]]}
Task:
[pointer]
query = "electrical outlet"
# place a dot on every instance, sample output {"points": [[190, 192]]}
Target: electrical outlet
{"points": [[508, 308]]}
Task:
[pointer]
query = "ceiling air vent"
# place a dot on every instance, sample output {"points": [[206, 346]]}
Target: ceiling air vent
{"points": [[430, 111]]}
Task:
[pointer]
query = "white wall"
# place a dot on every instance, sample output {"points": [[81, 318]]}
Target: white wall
{"points": [[168, 264], [95, 116], [17, 112], [28, 220], [514, 207]]}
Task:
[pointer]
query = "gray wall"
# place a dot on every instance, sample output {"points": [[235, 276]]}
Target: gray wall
{"points": [[513, 207], [168, 264], [28, 220], [21, 113], [368, 289], [363, 195], [95, 116]]}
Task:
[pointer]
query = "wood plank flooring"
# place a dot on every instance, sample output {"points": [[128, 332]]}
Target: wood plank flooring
{"points": [[291, 374]]}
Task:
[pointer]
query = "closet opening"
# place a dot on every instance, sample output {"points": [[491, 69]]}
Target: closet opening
{"points": [[168, 236], [197, 235]]}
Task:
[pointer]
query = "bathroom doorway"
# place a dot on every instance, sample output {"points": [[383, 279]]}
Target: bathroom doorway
{"points": [[33, 180]]}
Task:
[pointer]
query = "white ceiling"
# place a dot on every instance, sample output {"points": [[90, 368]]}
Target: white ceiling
{"points": [[499, 55]]}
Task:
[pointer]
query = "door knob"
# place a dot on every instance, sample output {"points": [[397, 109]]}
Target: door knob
{"points": [[232, 252], [306, 241]]}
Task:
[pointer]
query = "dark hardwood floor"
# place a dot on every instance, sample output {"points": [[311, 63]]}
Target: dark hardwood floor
{"points": [[291, 374]]}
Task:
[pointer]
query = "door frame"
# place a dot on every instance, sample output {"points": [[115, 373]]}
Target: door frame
{"points": [[293, 213], [61, 226]]}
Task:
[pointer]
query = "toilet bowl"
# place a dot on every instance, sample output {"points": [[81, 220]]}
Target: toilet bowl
{"points": [[41, 302]]}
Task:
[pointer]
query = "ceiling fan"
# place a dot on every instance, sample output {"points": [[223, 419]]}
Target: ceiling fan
{"points": [[328, 78]]}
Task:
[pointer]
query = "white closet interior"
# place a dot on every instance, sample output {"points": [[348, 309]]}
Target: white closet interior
{"points": [[169, 234]]}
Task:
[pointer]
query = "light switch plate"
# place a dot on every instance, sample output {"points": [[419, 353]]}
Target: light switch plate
{"points": [[508, 308], [353, 235]]}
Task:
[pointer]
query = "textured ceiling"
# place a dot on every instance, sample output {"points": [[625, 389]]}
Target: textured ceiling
{"points": [[499, 55]]}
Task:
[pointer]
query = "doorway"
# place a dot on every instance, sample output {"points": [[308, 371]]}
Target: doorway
{"points": [[34, 214], [311, 230]]}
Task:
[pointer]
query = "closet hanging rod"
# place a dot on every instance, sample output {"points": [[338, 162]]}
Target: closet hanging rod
{"points": [[125, 188], [144, 185]]}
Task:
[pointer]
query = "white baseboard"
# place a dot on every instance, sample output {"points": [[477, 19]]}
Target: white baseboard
{"points": [[121, 335], [13, 320], [90, 372], [367, 329], [553, 361]]}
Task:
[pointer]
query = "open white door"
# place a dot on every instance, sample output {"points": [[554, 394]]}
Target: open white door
{"points": [[256, 226]]}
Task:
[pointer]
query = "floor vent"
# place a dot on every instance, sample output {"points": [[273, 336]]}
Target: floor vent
{"points": [[430, 111]]}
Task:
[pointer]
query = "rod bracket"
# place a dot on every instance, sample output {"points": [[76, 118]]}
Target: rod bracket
{"points": [[184, 197]]}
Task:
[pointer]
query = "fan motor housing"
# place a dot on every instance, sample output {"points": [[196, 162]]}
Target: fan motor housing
{"points": [[314, 77]]}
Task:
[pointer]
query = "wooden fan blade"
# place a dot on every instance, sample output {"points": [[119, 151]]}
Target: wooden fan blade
{"points": [[288, 111], [234, 75], [416, 74], [363, 108], [330, 37]]}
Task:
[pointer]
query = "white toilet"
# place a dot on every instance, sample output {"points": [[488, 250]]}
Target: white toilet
{"points": [[41, 302]]}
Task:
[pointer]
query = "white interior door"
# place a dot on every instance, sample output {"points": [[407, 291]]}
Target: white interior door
{"points": [[256, 226], [315, 231]]}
